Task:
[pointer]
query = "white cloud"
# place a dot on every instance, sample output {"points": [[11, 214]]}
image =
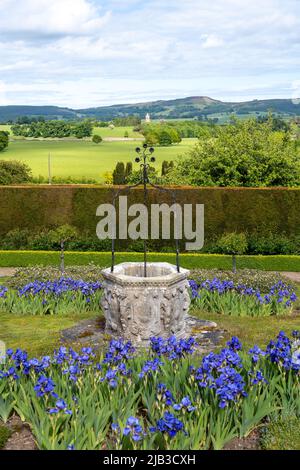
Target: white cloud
{"points": [[44, 17], [88, 52], [211, 40]]}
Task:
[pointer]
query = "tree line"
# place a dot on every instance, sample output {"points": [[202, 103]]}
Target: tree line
{"points": [[50, 129]]}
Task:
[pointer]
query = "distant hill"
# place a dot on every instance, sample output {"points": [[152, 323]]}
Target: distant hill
{"points": [[185, 108], [8, 113]]}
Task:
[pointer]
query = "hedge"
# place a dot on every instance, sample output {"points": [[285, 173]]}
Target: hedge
{"points": [[189, 261], [262, 210]]}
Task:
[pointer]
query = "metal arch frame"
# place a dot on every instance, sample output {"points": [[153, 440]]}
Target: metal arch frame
{"points": [[146, 153]]}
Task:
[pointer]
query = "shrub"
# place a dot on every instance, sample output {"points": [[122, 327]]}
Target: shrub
{"points": [[108, 177], [188, 261], [233, 244], [14, 172], [63, 180], [244, 153], [119, 174], [97, 139], [64, 234], [250, 211], [4, 139], [273, 244], [128, 171], [165, 139], [16, 239], [166, 167]]}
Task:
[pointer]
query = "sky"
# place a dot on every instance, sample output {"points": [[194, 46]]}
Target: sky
{"points": [[88, 53]]}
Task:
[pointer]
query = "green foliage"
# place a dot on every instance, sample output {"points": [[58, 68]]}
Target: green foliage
{"points": [[136, 176], [14, 172], [4, 139], [23, 276], [16, 239], [119, 174], [273, 244], [5, 434], [165, 138], [245, 153], [162, 134], [166, 167], [97, 405], [257, 279], [233, 243], [126, 134], [127, 121], [282, 433], [58, 129], [278, 124], [64, 233], [101, 124], [20, 258], [97, 139], [63, 180], [259, 213], [128, 170], [41, 239], [234, 304], [68, 302]]}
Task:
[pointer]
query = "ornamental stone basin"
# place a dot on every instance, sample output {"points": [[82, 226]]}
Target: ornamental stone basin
{"points": [[138, 307]]}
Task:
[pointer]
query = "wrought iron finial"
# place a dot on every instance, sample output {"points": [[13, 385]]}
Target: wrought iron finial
{"points": [[144, 158]]}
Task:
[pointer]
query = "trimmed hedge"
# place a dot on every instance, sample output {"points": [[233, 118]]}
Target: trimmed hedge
{"points": [[189, 261], [251, 210]]}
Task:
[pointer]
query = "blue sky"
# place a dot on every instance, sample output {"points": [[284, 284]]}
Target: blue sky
{"points": [[83, 53]]}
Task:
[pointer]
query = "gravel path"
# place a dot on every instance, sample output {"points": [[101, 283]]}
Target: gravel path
{"points": [[292, 276], [7, 272]]}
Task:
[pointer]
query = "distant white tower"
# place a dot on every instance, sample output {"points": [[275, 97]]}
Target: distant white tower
{"points": [[148, 118]]}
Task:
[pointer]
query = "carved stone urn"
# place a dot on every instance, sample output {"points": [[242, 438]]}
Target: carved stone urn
{"points": [[138, 307]]}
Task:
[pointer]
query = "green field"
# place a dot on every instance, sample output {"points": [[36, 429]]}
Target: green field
{"points": [[83, 158], [4, 127], [116, 132]]}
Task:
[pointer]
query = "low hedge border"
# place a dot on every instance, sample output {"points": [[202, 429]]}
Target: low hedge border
{"points": [[189, 261]]}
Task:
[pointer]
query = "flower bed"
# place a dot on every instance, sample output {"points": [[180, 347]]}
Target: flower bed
{"points": [[62, 296], [68, 295], [165, 398], [229, 298]]}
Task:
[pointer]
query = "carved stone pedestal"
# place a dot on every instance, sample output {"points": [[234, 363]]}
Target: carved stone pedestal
{"points": [[138, 307]]}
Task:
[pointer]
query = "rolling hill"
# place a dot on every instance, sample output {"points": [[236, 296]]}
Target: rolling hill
{"points": [[184, 108]]}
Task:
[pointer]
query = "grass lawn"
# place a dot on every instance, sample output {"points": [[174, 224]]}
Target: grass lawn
{"points": [[116, 132], [83, 158], [37, 334], [5, 127], [251, 330], [40, 334]]}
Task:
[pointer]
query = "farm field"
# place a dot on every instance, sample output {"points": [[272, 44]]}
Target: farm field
{"points": [[83, 158], [118, 132], [4, 127]]}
